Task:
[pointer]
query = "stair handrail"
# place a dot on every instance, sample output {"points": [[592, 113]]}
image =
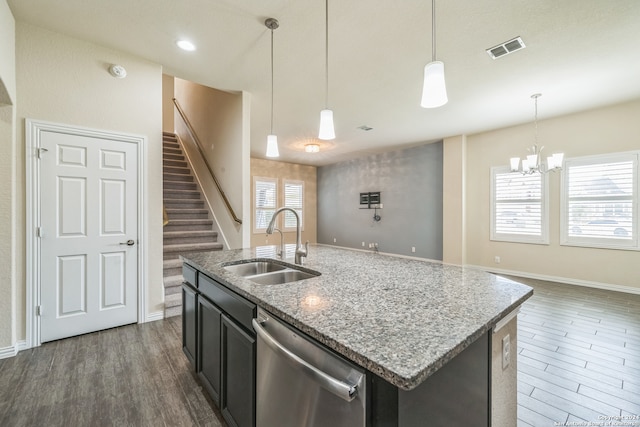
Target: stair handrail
{"points": [[186, 121]]}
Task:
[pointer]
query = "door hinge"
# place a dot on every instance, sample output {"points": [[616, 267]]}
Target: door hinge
{"points": [[38, 231], [38, 310], [41, 151]]}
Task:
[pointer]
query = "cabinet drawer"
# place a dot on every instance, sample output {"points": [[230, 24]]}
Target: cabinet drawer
{"points": [[190, 275], [241, 310]]}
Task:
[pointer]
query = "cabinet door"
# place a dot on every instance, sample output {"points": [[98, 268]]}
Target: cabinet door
{"points": [[189, 325], [208, 367], [238, 375]]}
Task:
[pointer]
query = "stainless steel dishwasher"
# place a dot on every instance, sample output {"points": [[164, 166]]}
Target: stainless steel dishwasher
{"points": [[300, 383]]}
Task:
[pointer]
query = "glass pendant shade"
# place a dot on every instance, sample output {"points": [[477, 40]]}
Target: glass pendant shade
{"points": [[434, 90], [326, 125], [515, 164], [272, 146]]}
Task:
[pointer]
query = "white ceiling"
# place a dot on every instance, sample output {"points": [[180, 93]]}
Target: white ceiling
{"points": [[580, 54]]}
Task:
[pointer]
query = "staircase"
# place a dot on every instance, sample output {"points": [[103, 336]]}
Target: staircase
{"points": [[190, 227]]}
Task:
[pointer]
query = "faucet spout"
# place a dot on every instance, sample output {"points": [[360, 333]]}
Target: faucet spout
{"points": [[301, 251]]}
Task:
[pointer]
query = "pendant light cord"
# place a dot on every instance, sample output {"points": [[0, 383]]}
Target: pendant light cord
{"points": [[326, 55], [433, 30], [271, 81], [535, 119]]}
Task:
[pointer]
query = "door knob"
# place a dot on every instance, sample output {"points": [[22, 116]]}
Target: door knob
{"points": [[128, 243]]}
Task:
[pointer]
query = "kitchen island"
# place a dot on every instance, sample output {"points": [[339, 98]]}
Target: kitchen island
{"points": [[400, 319]]}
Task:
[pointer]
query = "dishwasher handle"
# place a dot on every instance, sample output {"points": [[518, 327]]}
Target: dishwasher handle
{"points": [[339, 388]]}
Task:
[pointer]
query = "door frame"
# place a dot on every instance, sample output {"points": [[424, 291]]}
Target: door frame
{"points": [[33, 133]]}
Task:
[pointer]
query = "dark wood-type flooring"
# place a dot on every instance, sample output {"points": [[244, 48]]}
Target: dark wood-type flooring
{"points": [[578, 361], [578, 357], [134, 375]]}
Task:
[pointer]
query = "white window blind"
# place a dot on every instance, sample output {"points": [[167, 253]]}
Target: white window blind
{"points": [[600, 201], [518, 207], [294, 199], [265, 199]]}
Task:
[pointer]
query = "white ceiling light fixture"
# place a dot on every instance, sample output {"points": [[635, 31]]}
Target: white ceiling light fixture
{"points": [[312, 148], [186, 45], [532, 163], [327, 130], [272, 139], [434, 89]]}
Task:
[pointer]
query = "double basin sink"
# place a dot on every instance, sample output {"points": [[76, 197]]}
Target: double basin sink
{"points": [[269, 272]]}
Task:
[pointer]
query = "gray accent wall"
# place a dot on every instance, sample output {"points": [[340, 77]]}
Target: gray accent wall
{"points": [[410, 182]]}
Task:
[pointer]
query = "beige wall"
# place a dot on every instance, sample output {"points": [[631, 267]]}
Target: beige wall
{"points": [[7, 173], [606, 130], [281, 170], [66, 80], [218, 119], [167, 103], [7, 55], [453, 201]]}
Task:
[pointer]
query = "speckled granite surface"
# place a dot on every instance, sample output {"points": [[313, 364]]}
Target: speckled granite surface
{"points": [[400, 318]]}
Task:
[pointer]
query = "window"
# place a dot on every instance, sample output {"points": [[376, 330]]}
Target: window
{"points": [[600, 201], [265, 197], [518, 207], [294, 199]]}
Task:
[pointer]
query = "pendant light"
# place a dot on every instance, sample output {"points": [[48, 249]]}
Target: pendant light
{"points": [[272, 139], [434, 89], [326, 116]]}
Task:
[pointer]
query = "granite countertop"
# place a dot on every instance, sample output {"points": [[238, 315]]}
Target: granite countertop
{"points": [[400, 318]]}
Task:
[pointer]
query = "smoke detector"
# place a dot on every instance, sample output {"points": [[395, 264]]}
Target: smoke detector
{"points": [[506, 48]]}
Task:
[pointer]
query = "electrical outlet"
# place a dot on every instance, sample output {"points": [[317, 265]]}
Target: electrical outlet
{"points": [[334, 240], [363, 244], [413, 249], [506, 351], [496, 259]]}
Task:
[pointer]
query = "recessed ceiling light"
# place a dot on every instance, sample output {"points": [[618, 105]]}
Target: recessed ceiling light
{"points": [[186, 45]]}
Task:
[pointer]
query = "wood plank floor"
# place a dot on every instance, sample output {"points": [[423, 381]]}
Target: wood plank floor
{"points": [[578, 361], [135, 375], [578, 357]]}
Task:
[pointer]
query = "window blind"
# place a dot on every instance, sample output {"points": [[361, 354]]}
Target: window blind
{"points": [[600, 199], [517, 206], [294, 199], [265, 202]]}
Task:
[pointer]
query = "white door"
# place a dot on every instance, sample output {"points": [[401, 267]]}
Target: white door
{"points": [[88, 235]]}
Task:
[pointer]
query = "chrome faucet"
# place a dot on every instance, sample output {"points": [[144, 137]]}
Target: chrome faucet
{"points": [[301, 252], [280, 253]]}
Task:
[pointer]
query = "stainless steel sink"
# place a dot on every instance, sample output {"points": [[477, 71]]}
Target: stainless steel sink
{"points": [[269, 272], [279, 277], [252, 268]]}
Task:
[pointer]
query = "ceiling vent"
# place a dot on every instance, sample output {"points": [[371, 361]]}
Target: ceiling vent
{"points": [[506, 48], [365, 128]]}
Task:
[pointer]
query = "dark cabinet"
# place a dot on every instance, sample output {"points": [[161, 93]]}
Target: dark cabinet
{"points": [[209, 354], [189, 322], [219, 341], [238, 374]]}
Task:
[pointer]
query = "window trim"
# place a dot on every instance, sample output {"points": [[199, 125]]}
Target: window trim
{"points": [[543, 238], [595, 242], [257, 179], [284, 203]]}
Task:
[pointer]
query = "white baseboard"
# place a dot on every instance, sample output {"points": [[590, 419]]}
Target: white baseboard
{"points": [[12, 350], [152, 317], [567, 280]]}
